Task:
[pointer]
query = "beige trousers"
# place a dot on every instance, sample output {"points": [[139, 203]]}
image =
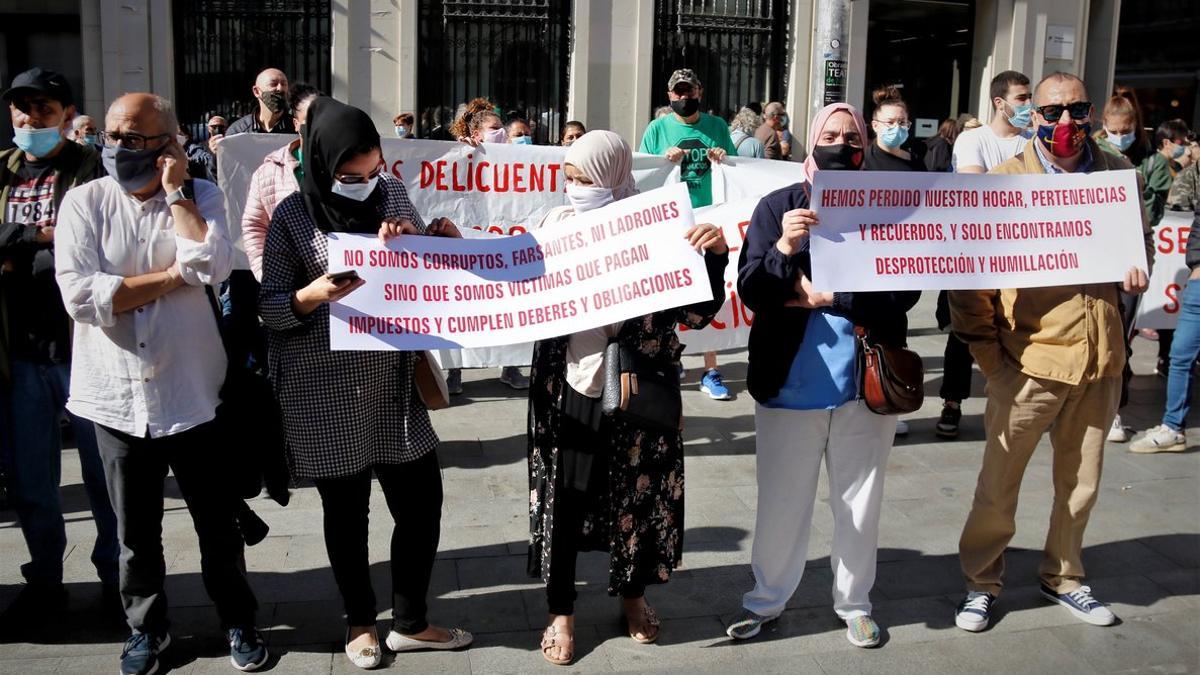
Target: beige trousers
{"points": [[1020, 409]]}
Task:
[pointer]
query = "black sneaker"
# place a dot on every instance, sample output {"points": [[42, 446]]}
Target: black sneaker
{"points": [[947, 425], [140, 654], [246, 650]]}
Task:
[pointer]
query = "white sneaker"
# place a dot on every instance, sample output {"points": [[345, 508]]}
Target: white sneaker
{"points": [[1117, 433], [1161, 438], [901, 428]]}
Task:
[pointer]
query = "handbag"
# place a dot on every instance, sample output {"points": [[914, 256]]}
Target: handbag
{"points": [[891, 380], [640, 390], [431, 384]]}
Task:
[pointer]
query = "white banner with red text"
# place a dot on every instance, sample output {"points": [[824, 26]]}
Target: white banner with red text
{"points": [[588, 271], [1160, 305], [883, 231]]}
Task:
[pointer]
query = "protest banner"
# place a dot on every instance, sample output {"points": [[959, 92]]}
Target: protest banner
{"points": [[1160, 304], [588, 271], [730, 328], [929, 231]]}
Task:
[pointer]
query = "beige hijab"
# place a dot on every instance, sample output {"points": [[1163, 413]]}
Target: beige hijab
{"points": [[605, 158]]}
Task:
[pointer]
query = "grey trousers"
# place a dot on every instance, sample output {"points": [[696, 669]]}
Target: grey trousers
{"points": [[136, 468]]}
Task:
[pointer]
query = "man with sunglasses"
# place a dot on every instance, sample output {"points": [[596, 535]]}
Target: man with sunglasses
{"points": [[1053, 358], [135, 252], [35, 346]]}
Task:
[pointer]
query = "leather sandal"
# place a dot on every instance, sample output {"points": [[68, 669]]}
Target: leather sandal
{"points": [[552, 639], [649, 620]]}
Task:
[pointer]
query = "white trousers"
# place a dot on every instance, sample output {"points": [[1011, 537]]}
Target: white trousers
{"points": [[854, 443]]}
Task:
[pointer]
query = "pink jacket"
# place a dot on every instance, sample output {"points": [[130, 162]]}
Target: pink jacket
{"points": [[270, 184]]}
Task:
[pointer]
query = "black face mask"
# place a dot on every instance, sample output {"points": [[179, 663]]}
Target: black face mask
{"points": [[276, 101], [841, 157], [685, 107]]}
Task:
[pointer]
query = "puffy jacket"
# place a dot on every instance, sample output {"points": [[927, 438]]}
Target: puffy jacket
{"points": [[271, 182], [1068, 334]]}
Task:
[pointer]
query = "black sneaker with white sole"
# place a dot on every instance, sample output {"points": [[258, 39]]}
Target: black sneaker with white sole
{"points": [[947, 424], [1081, 603], [141, 651], [975, 611]]}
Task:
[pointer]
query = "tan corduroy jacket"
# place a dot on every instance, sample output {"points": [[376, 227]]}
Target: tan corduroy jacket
{"points": [[1069, 334]]}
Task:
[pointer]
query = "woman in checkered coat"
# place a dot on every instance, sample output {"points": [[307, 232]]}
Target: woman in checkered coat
{"points": [[348, 414]]}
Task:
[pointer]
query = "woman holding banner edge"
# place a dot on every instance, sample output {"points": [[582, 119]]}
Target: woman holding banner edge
{"points": [[599, 482], [802, 373], [349, 414]]}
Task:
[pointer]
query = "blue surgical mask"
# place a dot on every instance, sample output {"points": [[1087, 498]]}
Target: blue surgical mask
{"points": [[91, 139], [522, 140], [401, 132], [893, 137], [1022, 116], [1178, 150], [1120, 141], [783, 120], [37, 142], [132, 169], [356, 191]]}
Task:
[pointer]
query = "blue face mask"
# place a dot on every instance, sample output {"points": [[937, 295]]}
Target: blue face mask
{"points": [[91, 139], [522, 140], [893, 137], [1178, 150], [356, 191], [132, 169], [1022, 116], [37, 142], [1120, 141], [401, 132]]}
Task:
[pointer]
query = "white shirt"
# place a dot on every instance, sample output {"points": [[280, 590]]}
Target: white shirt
{"points": [[982, 147], [157, 368]]}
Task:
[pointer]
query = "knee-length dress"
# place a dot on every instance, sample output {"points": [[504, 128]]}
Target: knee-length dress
{"points": [[638, 519], [343, 411]]}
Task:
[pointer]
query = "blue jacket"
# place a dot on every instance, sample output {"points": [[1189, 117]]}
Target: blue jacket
{"points": [[766, 280]]}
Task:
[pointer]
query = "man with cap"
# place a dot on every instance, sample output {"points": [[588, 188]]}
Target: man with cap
{"points": [[35, 344], [271, 91], [695, 140]]}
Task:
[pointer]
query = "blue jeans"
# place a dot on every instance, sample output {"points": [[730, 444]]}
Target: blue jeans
{"points": [[33, 462], [1183, 354]]}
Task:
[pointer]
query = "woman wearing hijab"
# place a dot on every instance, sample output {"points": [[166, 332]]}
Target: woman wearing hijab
{"points": [[600, 482], [802, 376], [348, 413]]}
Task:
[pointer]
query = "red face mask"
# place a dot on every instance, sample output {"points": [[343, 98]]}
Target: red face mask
{"points": [[1063, 140]]}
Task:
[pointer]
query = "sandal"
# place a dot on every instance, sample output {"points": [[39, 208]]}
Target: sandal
{"points": [[649, 620], [551, 640]]}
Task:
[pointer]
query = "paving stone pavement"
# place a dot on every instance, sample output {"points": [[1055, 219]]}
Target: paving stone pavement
{"points": [[1142, 555]]}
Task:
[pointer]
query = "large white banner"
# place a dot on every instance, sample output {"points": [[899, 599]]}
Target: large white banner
{"points": [[737, 186], [929, 231], [1160, 304], [588, 271]]}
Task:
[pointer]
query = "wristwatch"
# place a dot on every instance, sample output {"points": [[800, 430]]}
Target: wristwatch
{"points": [[186, 192]]}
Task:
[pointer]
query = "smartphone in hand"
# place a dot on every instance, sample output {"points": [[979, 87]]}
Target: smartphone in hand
{"points": [[346, 275]]}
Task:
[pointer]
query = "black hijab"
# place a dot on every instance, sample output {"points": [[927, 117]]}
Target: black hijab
{"points": [[333, 133]]}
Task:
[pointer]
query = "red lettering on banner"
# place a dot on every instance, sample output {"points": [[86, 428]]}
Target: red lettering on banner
{"points": [[396, 169], [1173, 244], [1172, 293], [426, 175]]}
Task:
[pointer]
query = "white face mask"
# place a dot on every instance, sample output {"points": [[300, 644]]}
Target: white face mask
{"points": [[181, 139], [586, 198], [356, 191], [495, 136]]}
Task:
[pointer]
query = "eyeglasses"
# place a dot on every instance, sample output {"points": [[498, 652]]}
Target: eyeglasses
{"points": [[1079, 110], [129, 141], [216, 128], [355, 179], [902, 125]]}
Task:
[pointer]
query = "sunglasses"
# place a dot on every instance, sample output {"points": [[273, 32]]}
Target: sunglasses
{"points": [[355, 179], [1079, 110], [216, 128]]}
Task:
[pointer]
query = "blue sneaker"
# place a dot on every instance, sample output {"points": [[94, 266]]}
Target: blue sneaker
{"points": [[246, 650], [1081, 603], [975, 611], [139, 656], [712, 385]]}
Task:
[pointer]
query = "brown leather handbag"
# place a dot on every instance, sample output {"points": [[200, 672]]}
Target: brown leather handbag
{"points": [[891, 380], [431, 384]]}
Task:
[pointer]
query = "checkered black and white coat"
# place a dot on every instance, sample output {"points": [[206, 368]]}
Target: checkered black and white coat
{"points": [[343, 411]]}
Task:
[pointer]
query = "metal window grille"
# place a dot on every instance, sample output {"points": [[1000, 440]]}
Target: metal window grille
{"points": [[738, 49], [221, 45], [513, 52]]}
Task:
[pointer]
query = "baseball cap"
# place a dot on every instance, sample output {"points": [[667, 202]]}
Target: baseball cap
{"points": [[47, 82], [683, 75]]}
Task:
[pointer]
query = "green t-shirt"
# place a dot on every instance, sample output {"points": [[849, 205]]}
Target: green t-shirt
{"points": [[695, 140]]}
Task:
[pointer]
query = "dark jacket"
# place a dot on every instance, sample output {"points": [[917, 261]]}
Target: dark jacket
{"points": [[1192, 257], [766, 280], [938, 153], [33, 322], [251, 124]]}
